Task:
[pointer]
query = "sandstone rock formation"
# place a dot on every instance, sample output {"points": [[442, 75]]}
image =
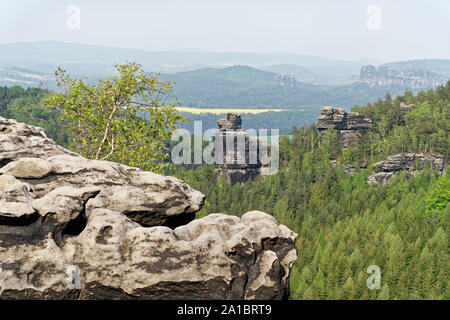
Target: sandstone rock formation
{"points": [[412, 78], [409, 162], [150, 199], [350, 126], [236, 155], [73, 228], [231, 122], [286, 79]]}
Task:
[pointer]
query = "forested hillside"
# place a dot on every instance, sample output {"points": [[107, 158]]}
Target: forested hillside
{"points": [[346, 225], [243, 86]]}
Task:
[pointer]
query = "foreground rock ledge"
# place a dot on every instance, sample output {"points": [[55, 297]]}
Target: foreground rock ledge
{"points": [[147, 198], [73, 228], [216, 257]]}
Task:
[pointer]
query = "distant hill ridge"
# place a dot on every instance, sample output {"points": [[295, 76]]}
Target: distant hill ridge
{"points": [[222, 79]]}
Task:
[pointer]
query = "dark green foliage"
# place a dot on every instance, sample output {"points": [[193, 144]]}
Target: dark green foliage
{"points": [[423, 127], [439, 196], [25, 105]]}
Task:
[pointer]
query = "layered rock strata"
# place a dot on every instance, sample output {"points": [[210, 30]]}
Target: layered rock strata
{"points": [[411, 163]]}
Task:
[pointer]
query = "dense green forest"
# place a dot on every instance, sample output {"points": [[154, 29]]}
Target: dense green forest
{"points": [[26, 105], [346, 225]]}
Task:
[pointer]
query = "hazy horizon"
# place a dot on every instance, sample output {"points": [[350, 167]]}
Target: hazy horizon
{"points": [[350, 30]]}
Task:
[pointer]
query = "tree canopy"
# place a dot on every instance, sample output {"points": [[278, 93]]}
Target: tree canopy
{"points": [[105, 119]]}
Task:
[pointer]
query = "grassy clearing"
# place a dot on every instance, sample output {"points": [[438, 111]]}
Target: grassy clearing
{"points": [[220, 111]]}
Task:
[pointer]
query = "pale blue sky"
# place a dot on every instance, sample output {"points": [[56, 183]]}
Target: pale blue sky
{"points": [[409, 29]]}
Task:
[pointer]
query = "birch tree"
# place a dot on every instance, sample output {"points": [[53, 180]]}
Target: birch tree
{"points": [[125, 118]]}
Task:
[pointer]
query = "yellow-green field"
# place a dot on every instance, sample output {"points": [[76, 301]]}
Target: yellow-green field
{"points": [[219, 111]]}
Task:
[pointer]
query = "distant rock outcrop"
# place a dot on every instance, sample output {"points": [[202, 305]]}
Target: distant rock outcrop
{"points": [[412, 78], [409, 162], [234, 150], [350, 126], [73, 228], [287, 79], [231, 122]]}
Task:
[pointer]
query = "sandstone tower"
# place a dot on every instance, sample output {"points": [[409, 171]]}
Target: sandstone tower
{"points": [[350, 126], [236, 154]]}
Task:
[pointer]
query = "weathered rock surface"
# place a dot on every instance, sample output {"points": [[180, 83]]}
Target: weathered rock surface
{"points": [[350, 126], [19, 140], [217, 257], [409, 162], [150, 199], [73, 228]]}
